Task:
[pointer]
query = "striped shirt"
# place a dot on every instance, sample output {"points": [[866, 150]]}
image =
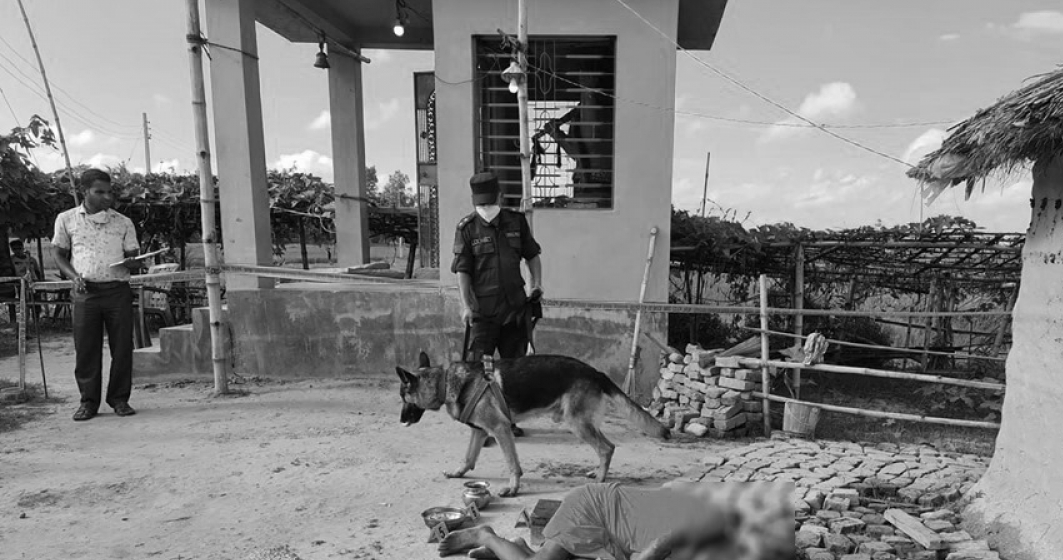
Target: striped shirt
{"points": [[96, 241]]}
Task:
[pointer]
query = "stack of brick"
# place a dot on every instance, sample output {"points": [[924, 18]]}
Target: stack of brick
{"points": [[704, 394]]}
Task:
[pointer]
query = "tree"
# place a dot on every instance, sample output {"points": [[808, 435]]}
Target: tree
{"points": [[372, 184], [26, 197], [396, 191]]}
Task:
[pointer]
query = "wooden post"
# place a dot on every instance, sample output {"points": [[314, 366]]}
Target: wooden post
{"points": [[799, 305], [765, 377], [410, 255], [302, 243], [51, 101], [929, 325], [522, 108], [207, 200], [638, 314], [147, 147], [998, 342], [22, 309], [145, 337]]}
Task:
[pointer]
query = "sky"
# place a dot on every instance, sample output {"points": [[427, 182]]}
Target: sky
{"points": [[859, 64]]}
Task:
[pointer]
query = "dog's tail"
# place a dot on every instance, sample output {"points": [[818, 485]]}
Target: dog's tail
{"points": [[634, 413]]}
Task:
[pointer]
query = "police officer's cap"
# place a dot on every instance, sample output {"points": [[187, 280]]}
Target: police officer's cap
{"points": [[484, 188]]}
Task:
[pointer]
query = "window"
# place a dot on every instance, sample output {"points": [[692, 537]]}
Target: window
{"points": [[571, 88]]}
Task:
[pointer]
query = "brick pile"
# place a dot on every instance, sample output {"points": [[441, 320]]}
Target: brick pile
{"points": [[863, 501], [704, 394]]}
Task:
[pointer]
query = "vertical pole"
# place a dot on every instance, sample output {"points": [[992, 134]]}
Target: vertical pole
{"points": [[522, 108], [51, 101], [799, 305], [147, 146], [207, 200], [764, 375], [705, 188], [638, 314], [23, 292], [145, 337], [928, 325], [302, 243], [40, 256], [998, 342]]}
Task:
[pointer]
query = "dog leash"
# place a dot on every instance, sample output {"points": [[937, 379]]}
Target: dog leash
{"points": [[487, 382]]}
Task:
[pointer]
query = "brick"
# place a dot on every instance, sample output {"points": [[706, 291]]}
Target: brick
{"points": [[676, 368], [807, 539], [697, 386], [726, 412], [836, 504], [735, 384], [669, 395], [973, 555], [692, 370], [846, 525], [855, 557], [731, 423], [874, 547], [819, 554], [680, 378], [730, 362], [727, 372], [696, 429], [710, 381], [731, 397], [939, 525], [747, 374], [837, 544], [713, 404], [715, 392]]}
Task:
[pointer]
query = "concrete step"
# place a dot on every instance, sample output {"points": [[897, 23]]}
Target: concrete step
{"points": [[183, 349]]}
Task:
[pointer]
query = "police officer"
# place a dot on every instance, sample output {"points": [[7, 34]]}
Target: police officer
{"points": [[488, 247]]}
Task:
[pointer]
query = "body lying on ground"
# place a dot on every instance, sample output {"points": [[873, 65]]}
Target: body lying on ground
{"points": [[695, 521]]}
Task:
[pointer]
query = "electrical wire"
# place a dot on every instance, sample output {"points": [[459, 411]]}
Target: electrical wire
{"points": [[60, 89], [717, 117], [9, 108], [758, 95]]}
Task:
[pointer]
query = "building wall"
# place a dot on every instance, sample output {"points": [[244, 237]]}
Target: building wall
{"points": [[587, 254], [308, 330]]}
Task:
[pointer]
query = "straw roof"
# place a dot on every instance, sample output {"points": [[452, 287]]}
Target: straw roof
{"points": [[1022, 127]]}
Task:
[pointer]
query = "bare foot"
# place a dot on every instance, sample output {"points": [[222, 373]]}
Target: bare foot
{"points": [[461, 541], [482, 552]]}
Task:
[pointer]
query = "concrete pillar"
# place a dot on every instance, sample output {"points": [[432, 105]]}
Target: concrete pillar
{"points": [[1018, 504], [238, 138], [348, 159]]}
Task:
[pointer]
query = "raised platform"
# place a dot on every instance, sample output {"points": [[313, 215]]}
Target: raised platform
{"points": [[301, 330]]}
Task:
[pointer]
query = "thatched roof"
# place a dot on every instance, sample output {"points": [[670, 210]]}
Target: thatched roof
{"points": [[1022, 127]]}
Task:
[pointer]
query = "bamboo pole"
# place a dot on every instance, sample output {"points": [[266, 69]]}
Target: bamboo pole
{"points": [[522, 109], [638, 314], [879, 414], [998, 341], [22, 311], [212, 262], [51, 101], [878, 347], [765, 376], [799, 305], [827, 368]]}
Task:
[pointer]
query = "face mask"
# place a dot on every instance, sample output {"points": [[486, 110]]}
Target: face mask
{"points": [[488, 212], [101, 217]]}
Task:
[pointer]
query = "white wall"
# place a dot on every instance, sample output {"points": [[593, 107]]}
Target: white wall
{"points": [[587, 254]]}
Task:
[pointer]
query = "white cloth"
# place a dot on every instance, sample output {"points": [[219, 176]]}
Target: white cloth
{"points": [[96, 241], [488, 211]]}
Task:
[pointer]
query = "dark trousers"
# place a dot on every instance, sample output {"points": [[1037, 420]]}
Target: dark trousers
{"points": [[510, 339], [107, 306]]}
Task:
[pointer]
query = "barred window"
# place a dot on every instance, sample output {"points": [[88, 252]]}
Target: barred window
{"points": [[571, 84]]}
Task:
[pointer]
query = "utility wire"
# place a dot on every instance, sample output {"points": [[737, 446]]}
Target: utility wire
{"points": [[60, 89], [758, 94], [720, 118], [9, 108]]}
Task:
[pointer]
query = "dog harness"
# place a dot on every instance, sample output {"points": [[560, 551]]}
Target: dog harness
{"points": [[481, 384]]}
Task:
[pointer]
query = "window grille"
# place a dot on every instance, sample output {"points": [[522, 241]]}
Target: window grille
{"points": [[571, 84]]}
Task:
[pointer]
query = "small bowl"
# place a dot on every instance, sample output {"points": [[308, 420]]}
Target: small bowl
{"points": [[451, 517], [477, 492]]}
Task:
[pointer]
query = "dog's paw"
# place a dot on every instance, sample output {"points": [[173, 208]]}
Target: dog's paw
{"points": [[460, 473], [508, 492]]}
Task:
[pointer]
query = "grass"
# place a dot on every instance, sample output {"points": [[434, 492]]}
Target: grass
{"points": [[13, 416]]}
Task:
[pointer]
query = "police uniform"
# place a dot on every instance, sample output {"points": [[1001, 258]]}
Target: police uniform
{"points": [[490, 253]]}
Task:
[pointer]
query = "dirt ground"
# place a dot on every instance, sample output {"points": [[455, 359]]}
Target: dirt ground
{"points": [[320, 466]]}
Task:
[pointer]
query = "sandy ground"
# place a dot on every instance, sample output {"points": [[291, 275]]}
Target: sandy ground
{"points": [[321, 466]]}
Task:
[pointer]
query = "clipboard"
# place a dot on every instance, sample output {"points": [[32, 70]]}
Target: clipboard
{"points": [[144, 256]]}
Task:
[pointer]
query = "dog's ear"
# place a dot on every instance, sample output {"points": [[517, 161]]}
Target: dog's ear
{"points": [[406, 377], [423, 360]]}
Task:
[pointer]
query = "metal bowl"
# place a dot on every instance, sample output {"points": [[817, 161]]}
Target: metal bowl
{"points": [[477, 492], [453, 518]]}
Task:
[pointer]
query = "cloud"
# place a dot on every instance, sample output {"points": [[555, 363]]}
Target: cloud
{"points": [[386, 111], [832, 100], [307, 161], [1040, 22], [102, 161], [923, 145], [323, 121], [81, 138], [161, 99], [949, 37]]}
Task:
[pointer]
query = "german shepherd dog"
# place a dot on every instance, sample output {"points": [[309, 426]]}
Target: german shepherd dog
{"points": [[535, 385]]}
